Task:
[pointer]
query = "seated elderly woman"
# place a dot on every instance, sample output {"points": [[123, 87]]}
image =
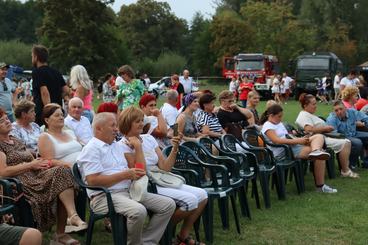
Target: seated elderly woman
{"points": [[24, 128], [207, 121], [350, 96], [57, 143], [311, 123], [232, 117], [190, 200], [187, 121], [46, 185], [303, 148]]}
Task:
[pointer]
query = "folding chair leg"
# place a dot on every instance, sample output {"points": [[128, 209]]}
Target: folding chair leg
{"points": [[208, 220], [224, 212], [244, 207], [236, 218], [255, 192], [265, 189]]}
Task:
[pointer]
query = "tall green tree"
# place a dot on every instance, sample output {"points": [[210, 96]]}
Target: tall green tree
{"points": [[15, 52], [202, 57], [82, 32], [151, 28], [19, 20], [230, 35]]}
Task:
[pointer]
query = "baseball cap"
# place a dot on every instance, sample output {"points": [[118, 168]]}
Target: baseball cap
{"points": [[3, 65]]}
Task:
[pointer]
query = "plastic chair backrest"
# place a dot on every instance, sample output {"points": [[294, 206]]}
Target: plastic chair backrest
{"points": [[228, 141], [77, 175]]}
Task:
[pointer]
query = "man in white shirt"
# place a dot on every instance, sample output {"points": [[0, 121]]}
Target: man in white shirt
{"points": [[78, 123], [102, 163], [187, 82], [349, 80], [169, 110]]}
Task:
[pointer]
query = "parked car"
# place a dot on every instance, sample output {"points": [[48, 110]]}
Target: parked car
{"points": [[160, 87]]}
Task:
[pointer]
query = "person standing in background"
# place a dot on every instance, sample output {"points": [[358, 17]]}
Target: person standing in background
{"points": [[83, 89], [8, 93], [187, 82], [48, 84]]}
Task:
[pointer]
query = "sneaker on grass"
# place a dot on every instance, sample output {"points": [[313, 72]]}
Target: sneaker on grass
{"points": [[319, 155], [326, 189]]}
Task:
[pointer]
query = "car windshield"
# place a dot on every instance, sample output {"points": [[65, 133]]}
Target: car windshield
{"points": [[318, 63], [249, 65]]}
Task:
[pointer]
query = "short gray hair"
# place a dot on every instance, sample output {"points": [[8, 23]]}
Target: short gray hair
{"points": [[172, 94], [75, 99], [99, 119]]}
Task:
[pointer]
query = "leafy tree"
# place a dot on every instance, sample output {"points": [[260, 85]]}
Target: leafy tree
{"points": [[202, 58], [230, 35], [19, 20], [15, 52], [151, 28], [82, 32], [276, 30]]}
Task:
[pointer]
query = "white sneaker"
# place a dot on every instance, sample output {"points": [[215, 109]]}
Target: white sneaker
{"points": [[318, 155], [326, 189]]}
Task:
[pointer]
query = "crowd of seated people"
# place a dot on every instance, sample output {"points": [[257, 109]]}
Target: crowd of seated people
{"points": [[108, 145]]}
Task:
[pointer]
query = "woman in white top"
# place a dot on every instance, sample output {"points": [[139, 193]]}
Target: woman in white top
{"points": [[24, 128], [190, 200], [276, 83], [57, 143], [303, 148], [313, 124]]}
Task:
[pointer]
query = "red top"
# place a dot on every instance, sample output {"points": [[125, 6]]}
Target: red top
{"points": [[244, 89], [361, 103]]}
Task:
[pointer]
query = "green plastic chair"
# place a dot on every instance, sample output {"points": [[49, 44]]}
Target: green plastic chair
{"points": [[282, 165], [237, 182], [118, 221], [247, 168], [7, 206], [217, 188]]}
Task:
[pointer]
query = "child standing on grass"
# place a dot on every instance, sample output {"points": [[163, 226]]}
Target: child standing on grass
{"points": [[233, 87], [244, 88]]}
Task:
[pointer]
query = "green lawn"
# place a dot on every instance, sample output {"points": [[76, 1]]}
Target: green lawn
{"points": [[309, 218]]}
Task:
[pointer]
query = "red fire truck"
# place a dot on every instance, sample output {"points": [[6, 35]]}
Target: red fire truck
{"points": [[258, 67]]}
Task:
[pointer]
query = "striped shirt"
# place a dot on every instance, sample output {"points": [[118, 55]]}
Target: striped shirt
{"points": [[210, 120]]}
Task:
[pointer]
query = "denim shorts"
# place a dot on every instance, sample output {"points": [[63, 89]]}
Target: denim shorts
{"points": [[296, 150]]}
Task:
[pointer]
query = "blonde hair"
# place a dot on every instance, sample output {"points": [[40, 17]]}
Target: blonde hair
{"points": [[22, 106], [127, 117], [252, 94], [349, 92], [270, 103], [226, 94], [79, 76]]}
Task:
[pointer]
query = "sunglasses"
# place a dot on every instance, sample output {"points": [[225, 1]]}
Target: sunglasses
{"points": [[5, 87]]}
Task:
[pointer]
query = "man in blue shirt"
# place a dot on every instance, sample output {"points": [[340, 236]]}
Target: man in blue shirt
{"points": [[346, 121]]}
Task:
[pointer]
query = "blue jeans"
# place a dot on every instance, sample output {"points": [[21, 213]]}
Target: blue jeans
{"points": [[359, 141]]}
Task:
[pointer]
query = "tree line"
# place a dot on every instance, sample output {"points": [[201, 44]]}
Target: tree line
{"points": [[151, 38]]}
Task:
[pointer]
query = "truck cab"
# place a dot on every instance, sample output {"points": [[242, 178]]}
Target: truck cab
{"points": [[313, 66]]}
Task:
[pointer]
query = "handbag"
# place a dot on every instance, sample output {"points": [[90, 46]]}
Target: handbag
{"points": [[138, 188], [165, 179]]}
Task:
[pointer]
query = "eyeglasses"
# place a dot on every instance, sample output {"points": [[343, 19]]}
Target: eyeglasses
{"points": [[5, 87]]}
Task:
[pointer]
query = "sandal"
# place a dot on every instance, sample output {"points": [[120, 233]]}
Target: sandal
{"points": [[73, 226], [63, 239], [349, 174], [187, 241], [107, 224]]}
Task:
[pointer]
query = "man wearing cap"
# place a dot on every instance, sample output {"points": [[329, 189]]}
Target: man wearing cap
{"points": [[8, 93], [48, 84]]}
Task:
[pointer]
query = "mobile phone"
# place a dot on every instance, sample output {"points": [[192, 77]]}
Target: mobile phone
{"points": [[175, 129]]}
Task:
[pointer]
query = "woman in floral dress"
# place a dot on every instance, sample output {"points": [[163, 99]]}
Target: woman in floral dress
{"points": [[131, 91]]}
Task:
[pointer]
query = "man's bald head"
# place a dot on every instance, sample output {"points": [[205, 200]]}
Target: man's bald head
{"points": [[105, 126]]}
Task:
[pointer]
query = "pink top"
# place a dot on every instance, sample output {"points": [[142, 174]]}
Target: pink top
{"points": [[348, 105], [87, 101]]}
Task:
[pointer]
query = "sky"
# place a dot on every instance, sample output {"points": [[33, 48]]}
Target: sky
{"points": [[182, 8]]}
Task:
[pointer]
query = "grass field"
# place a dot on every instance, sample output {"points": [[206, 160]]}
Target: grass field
{"points": [[309, 218]]}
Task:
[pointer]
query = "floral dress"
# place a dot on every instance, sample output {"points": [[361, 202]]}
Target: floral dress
{"points": [[130, 93], [41, 187]]}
